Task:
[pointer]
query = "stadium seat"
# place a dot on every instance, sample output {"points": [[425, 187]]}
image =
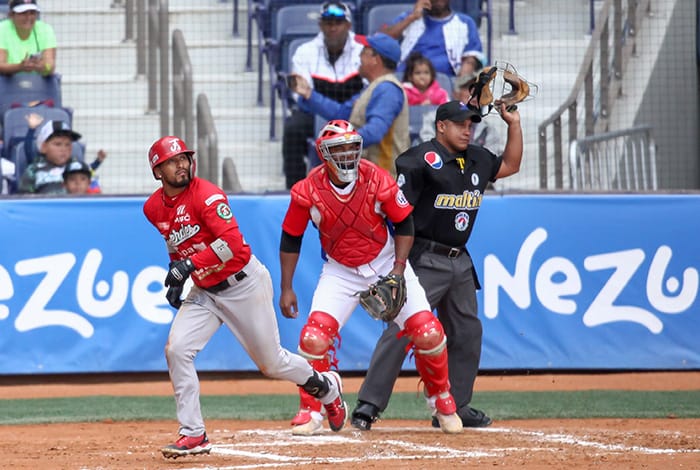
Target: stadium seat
{"points": [[379, 15], [415, 120], [291, 22], [15, 124], [23, 87]]}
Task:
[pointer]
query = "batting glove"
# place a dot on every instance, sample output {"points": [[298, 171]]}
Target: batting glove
{"points": [[173, 296], [179, 272]]}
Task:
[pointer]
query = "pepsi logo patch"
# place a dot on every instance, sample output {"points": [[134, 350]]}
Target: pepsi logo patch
{"points": [[433, 159]]}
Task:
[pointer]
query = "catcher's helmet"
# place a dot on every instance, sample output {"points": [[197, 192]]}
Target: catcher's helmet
{"points": [[343, 164], [168, 147]]}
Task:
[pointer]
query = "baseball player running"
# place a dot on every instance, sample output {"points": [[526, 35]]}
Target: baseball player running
{"points": [[349, 199], [230, 286]]}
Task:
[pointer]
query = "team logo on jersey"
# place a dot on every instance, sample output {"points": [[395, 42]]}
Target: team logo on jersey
{"points": [[475, 179], [185, 233], [224, 211], [433, 159], [401, 199], [462, 221]]}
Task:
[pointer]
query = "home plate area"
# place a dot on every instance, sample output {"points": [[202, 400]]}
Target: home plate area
{"points": [[390, 444]]}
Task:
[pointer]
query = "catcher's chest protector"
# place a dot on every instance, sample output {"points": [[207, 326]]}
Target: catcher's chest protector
{"points": [[351, 231]]}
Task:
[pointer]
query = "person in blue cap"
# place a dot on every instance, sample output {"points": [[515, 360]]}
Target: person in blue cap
{"points": [[379, 112]]}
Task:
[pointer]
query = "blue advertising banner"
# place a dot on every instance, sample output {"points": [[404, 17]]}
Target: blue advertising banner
{"points": [[569, 282]]}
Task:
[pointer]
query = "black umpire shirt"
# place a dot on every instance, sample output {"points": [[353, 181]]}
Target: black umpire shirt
{"points": [[446, 190]]}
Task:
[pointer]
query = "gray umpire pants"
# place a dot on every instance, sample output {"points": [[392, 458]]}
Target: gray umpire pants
{"points": [[450, 285]]}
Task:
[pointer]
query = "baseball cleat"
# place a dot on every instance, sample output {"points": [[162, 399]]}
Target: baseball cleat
{"points": [[364, 415], [312, 427], [336, 410], [449, 424], [187, 445], [471, 418]]}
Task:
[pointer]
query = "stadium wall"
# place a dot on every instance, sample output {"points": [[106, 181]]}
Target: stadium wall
{"points": [[569, 282]]}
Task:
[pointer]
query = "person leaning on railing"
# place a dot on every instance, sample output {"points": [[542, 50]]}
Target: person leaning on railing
{"points": [[27, 44]]}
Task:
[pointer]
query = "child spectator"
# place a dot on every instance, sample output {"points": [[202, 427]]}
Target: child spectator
{"points": [[44, 175], [420, 84], [30, 150], [76, 177]]}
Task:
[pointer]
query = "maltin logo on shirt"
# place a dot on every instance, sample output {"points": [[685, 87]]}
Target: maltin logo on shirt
{"points": [[433, 159], [224, 211]]}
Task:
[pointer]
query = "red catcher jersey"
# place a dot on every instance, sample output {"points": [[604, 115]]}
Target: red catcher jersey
{"points": [[352, 227], [191, 221]]}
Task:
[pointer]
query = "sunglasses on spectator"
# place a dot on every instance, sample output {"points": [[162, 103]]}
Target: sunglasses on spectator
{"points": [[333, 11]]}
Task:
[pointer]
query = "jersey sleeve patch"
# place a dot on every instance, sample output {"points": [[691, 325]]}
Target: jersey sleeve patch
{"points": [[224, 211], [213, 198], [401, 199]]}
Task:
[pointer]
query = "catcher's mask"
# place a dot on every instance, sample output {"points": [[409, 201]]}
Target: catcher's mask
{"points": [[500, 84], [340, 145], [166, 148]]}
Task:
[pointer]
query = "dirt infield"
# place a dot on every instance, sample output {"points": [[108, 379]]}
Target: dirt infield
{"points": [[392, 444]]}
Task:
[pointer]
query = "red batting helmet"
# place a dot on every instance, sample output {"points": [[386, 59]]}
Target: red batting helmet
{"points": [[342, 164], [168, 147]]}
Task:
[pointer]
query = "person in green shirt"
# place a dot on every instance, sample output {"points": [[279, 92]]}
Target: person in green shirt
{"points": [[27, 44]]}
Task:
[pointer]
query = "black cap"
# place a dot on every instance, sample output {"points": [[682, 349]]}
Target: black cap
{"points": [[76, 166], [456, 111]]}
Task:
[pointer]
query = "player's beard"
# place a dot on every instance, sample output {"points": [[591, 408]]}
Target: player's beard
{"points": [[178, 181]]}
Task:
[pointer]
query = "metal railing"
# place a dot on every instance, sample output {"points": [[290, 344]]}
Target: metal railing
{"points": [[183, 114], [606, 57], [614, 161], [207, 142]]}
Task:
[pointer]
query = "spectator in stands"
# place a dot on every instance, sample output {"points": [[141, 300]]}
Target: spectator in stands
{"points": [[380, 111], [76, 177], [7, 176], [329, 63], [26, 43], [449, 39], [484, 133], [45, 174], [30, 150], [420, 83]]}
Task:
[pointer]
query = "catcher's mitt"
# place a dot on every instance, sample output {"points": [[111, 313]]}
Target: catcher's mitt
{"points": [[383, 299], [501, 84]]}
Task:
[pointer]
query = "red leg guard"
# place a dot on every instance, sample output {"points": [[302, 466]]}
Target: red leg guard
{"points": [[315, 344], [428, 341], [318, 336]]}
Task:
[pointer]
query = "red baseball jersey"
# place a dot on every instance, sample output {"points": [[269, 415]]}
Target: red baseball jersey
{"points": [[352, 226], [198, 224]]}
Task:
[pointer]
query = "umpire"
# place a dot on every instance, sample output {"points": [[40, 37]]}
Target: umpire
{"points": [[444, 179]]}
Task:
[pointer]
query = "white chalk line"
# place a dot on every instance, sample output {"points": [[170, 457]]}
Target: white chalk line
{"points": [[283, 439]]}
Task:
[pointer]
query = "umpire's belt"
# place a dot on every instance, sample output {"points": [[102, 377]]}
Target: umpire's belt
{"points": [[225, 284], [438, 248]]}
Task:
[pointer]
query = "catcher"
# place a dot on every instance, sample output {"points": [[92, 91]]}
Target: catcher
{"points": [[349, 200]]}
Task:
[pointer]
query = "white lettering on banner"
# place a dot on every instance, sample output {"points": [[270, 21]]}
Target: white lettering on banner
{"points": [[603, 309], [148, 304], [86, 279], [6, 292]]}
